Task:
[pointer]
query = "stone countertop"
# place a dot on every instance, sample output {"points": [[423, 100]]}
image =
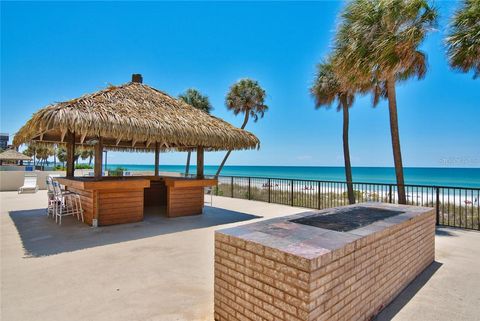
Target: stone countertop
{"points": [[311, 242]]}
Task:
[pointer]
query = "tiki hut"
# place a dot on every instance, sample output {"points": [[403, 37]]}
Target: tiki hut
{"points": [[133, 117], [11, 155]]}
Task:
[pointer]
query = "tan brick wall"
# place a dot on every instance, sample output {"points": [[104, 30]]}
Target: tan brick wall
{"points": [[254, 282]]}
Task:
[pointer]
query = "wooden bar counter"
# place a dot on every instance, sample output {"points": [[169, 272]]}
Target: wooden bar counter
{"points": [[118, 200], [186, 196]]}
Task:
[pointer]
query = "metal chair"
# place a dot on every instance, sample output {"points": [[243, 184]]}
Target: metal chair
{"points": [[51, 197], [209, 191], [66, 203]]}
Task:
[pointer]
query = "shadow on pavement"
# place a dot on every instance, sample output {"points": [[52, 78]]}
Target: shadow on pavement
{"points": [[41, 236], [440, 231], [408, 293]]}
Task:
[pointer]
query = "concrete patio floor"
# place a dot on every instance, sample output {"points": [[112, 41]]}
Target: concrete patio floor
{"points": [[162, 269]]}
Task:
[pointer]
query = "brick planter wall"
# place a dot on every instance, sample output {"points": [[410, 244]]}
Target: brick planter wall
{"points": [[354, 282]]}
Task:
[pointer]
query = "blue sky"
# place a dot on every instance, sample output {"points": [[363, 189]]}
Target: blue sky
{"points": [[57, 51]]}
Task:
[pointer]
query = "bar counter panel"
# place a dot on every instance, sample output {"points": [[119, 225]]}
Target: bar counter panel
{"points": [[185, 197], [109, 200], [184, 201]]}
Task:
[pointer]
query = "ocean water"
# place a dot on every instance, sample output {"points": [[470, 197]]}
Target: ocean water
{"points": [[460, 177]]}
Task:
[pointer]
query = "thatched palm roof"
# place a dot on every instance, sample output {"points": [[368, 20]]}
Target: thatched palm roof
{"points": [[13, 155], [134, 116]]}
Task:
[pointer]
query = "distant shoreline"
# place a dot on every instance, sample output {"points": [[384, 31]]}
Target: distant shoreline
{"points": [[443, 176], [299, 166]]}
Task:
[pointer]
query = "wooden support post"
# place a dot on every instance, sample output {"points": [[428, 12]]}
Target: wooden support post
{"points": [[200, 162], [70, 154], [98, 158], [157, 158], [187, 167]]}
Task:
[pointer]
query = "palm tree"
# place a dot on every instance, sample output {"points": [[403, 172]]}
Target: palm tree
{"points": [[62, 155], [378, 41], [326, 90], [31, 151], [55, 155], [39, 152], [77, 155], [194, 98], [87, 153], [463, 41], [247, 97], [43, 153]]}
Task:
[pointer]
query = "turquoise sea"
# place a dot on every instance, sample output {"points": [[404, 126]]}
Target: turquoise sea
{"points": [[461, 177]]}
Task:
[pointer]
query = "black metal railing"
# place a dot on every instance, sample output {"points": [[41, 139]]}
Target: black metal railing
{"points": [[455, 206]]}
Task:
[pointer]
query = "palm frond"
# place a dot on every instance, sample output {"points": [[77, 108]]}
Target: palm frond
{"points": [[247, 96], [463, 40], [381, 37]]}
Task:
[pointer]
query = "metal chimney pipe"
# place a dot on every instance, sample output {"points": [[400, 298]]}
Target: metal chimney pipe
{"points": [[137, 78]]}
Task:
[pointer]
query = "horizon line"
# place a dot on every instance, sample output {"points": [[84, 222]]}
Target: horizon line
{"points": [[329, 166]]}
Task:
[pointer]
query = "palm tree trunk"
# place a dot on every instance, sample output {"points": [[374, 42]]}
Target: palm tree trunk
{"points": [[187, 167], [397, 154], [90, 160], [245, 121], [346, 153]]}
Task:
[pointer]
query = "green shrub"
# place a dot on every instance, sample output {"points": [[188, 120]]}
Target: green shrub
{"points": [[116, 172], [83, 166], [217, 191]]}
